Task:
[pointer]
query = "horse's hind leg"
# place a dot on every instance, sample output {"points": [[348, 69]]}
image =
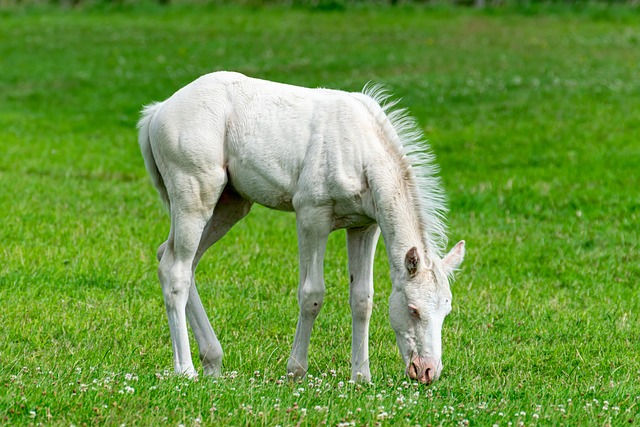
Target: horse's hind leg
{"points": [[191, 209], [230, 209], [209, 347]]}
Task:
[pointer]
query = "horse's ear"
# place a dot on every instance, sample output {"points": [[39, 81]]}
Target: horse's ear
{"points": [[454, 258], [412, 261]]}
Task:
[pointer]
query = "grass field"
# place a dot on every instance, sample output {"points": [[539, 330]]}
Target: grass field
{"points": [[535, 120]]}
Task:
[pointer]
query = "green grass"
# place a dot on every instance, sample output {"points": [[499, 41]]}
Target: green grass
{"points": [[535, 123]]}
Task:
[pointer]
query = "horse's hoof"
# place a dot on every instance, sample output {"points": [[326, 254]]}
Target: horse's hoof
{"points": [[297, 373]]}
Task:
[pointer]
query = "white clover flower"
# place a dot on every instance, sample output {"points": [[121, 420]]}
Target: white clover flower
{"points": [[382, 416]]}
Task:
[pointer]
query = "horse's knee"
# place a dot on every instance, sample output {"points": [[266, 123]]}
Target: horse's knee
{"points": [[311, 300], [361, 307]]}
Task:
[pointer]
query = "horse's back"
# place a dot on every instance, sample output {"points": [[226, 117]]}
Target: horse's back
{"points": [[288, 145], [281, 145]]}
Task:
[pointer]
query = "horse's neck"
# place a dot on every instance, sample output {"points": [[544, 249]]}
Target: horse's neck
{"points": [[397, 216]]}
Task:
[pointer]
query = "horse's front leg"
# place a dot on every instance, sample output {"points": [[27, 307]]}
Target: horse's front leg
{"points": [[313, 226], [361, 247]]}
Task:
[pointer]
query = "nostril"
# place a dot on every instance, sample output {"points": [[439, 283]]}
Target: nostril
{"points": [[428, 373], [413, 371]]}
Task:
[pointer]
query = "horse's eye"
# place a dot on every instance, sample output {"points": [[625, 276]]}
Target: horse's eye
{"points": [[413, 311]]}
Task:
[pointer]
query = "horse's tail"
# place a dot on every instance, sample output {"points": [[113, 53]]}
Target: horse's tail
{"points": [[144, 139]]}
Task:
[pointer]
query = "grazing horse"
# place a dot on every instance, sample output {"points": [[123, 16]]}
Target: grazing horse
{"points": [[339, 160]]}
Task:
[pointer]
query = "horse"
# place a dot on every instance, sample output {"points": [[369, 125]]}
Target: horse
{"points": [[339, 160]]}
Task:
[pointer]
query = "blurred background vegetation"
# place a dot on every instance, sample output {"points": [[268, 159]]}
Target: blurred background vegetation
{"points": [[342, 4]]}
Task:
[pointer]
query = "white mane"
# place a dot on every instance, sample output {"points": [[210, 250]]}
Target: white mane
{"points": [[426, 187]]}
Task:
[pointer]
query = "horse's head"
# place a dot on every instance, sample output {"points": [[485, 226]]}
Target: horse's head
{"points": [[418, 308]]}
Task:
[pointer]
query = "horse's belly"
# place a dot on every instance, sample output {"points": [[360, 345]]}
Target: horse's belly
{"points": [[276, 188], [267, 189]]}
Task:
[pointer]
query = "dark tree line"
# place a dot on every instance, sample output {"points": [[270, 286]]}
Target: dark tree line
{"points": [[337, 4]]}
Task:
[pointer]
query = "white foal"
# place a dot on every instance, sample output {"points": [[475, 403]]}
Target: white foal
{"points": [[339, 160]]}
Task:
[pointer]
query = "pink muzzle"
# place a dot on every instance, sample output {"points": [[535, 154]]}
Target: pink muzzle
{"points": [[422, 369]]}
